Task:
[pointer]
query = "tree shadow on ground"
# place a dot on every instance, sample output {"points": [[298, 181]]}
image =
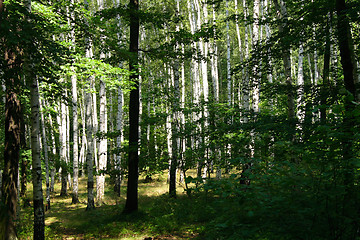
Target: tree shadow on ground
{"points": [[159, 217]]}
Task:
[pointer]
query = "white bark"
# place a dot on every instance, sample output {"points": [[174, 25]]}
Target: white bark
{"points": [[89, 112], [75, 141], [255, 39], [300, 84], [268, 35], [214, 61], [46, 155], [90, 149], [95, 123], [100, 185], [310, 70], [63, 148], [39, 215], [83, 135], [54, 153], [238, 29], [68, 143], [246, 82], [215, 78], [204, 72], [119, 138]]}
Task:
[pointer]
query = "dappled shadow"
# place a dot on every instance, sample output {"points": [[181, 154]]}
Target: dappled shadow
{"points": [[159, 217]]}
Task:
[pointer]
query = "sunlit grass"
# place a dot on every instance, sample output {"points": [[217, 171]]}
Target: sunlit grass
{"points": [[158, 215]]}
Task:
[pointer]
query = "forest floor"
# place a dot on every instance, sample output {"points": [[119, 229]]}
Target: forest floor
{"points": [[159, 216]]}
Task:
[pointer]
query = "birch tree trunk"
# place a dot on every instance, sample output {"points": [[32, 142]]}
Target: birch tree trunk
{"points": [[119, 119], [32, 81], [54, 153], [194, 18], [300, 89], [68, 143], [63, 150], [119, 139], [204, 72], [215, 81], [90, 148], [246, 81], [75, 193], [39, 215], [175, 118], [103, 145], [100, 179], [228, 55], [256, 72], [268, 35], [89, 128], [46, 157]]}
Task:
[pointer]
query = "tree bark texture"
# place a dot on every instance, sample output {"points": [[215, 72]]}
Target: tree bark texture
{"points": [[13, 123], [39, 215], [131, 204], [46, 155], [348, 63]]}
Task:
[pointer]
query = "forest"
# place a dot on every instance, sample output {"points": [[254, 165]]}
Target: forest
{"points": [[180, 119]]}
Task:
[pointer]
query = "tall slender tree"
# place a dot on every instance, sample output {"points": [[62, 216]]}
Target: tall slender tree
{"points": [[131, 204], [11, 72]]}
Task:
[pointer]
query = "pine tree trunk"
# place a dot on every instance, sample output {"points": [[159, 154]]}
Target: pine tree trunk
{"points": [[12, 146], [12, 142]]}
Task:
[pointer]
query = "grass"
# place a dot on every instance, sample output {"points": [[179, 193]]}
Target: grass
{"points": [[159, 216]]}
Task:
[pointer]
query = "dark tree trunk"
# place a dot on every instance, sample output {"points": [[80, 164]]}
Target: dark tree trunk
{"points": [[133, 161], [326, 71], [24, 163], [350, 206], [12, 143], [12, 139]]}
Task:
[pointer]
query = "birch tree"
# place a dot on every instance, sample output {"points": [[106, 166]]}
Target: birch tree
{"points": [[39, 214], [90, 148], [75, 195], [100, 179], [89, 127], [63, 148], [46, 155]]}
